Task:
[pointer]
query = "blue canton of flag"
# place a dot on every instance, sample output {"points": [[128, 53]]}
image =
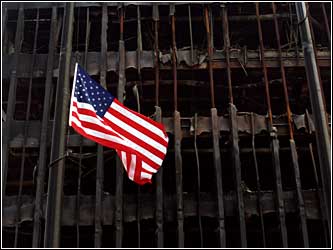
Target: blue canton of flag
{"points": [[89, 91]]}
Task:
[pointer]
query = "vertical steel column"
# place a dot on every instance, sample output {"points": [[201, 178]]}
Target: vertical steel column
{"points": [[328, 31], [100, 151], [158, 118], [210, 52], [234, 135], [27, 114], [56, 172], [119, 165], [318, 188], [78, 193], [198, 179], [191, 33], [178, 136], [301, 206], [318, 109], [316, 56], [216, 142], [274, 142], [4, 24], [38, 212], [259, 195], [139, 40], [11, 98]]}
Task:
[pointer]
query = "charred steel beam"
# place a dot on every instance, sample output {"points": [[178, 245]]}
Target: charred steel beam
{"points": [[4, 24], [11, 97], [328, 31], [234, 133], [208, 208], [178, 136], [218, 178], [156, 53], [316, 56], [100, 154], [41, 165], [294, 155], [317, 104], [56, 171], [158, 118], [78, 194], [191, 33], [274, 141], [159, 195], [259, 194], [210, 52], [318, 189], [139, 40], [38, 212], [253, 61], [179, 179], [119, 166], [198, 179], [27, 115], [174, 53], [216, 138]]}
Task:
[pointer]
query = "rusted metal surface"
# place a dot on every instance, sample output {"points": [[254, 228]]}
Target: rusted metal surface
{"points": [[274, 141], [238, 177], [294, 154], [209, 49], [259, 194], [318, 107], [234, 135], [218, 178]]}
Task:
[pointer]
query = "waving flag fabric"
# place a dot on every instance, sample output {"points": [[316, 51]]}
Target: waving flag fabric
{"points": [[140, 142]]}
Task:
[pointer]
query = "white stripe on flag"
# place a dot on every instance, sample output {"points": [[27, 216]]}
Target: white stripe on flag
{"points": [[135, 132], [148, 168], [125, 140], [145, 175], [132, 167], [138, 120], [124, 159]]}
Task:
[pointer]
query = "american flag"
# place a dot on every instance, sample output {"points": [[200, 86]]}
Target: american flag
{"points": [[140, 142]]}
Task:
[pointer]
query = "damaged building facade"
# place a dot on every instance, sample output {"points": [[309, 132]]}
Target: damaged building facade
{"points": [[230, 83]]}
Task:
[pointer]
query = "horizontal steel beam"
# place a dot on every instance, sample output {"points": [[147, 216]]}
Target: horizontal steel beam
{"points": [[208, 203], [204, 126], [239, 58]]}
